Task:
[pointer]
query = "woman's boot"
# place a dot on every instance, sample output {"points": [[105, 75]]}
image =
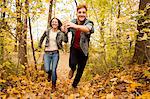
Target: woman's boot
{"points": [[53, 88], [49, 76]]}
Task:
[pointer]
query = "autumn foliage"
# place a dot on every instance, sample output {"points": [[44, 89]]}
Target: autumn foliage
{"points": [[129, 82]]}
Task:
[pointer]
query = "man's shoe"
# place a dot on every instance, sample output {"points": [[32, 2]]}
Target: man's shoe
{"points": [[74, 86], [71, 72]]}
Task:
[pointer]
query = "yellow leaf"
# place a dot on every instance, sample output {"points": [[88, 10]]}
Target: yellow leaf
{"points": [[110, 96], [23, 66], [71, 96], [3, 96], [47, 1], [127, 79], [132, 86], [144, 96], [15, 78], [96, 77], [2, 81], [113, 79], [147, 73]]}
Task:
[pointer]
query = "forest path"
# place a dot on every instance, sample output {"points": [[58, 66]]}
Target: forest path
{"points": [[119, 84], [63, 85], [34, 85]]}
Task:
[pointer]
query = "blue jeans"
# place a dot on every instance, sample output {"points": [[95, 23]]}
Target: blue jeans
{"points": [[50, 63]]}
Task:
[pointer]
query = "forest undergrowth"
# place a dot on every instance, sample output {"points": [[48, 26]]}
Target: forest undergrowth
{"points": [[130, 82]]}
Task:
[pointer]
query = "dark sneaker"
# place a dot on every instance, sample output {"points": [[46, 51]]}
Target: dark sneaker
{"points": [[71, 72], [49, 75], [53, 88], [74, 86], [49, 78]]}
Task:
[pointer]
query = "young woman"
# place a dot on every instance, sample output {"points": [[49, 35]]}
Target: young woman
{"points": [[54, 38]]}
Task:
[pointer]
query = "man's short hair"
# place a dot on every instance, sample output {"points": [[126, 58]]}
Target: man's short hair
{"points": [[81, 6]]}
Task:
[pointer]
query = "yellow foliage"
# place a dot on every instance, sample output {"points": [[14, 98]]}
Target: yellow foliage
{"points": [[3, 96], [122, 19], [30, 1], [147, 73], [47, 1], [2, 81], [110, 96], [127, 79], [96, 77], [15, 78], [146, 30], [132, 86], [71, 96], [23, 66], [145, 95]]}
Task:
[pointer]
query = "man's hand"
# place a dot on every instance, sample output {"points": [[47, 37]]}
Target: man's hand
{"points": [[71, 25]]}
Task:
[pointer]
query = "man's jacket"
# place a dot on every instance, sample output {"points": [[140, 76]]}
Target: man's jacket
{"points": [[84, 36]]}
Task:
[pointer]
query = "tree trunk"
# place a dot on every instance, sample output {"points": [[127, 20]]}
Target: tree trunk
{"points": [[50, 13], [22, 35], [117, 36], [1, 35], [18, 12], [32, 44], [1, 47], [142, 46]]}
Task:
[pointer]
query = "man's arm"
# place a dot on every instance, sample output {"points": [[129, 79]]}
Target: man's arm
{"points": [[87, 28], [82, 28]]}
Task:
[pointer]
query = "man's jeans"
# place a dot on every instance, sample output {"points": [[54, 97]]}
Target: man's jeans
{"points": [[50, 63], [77, 57]]}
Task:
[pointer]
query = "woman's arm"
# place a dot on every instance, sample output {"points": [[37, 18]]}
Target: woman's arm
{"points": [[42, 39]]}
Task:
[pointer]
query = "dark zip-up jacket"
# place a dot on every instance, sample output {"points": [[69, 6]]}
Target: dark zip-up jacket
{"points": [[59, 38]]}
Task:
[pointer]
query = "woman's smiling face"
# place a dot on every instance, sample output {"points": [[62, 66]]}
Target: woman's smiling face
{"points": [[54, 23]]}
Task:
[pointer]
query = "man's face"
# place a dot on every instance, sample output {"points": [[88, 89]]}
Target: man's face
{"points": [[81, 14]]}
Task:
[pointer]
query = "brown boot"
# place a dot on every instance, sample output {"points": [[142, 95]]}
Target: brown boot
{"points": [[53, 88], [71, 72]]}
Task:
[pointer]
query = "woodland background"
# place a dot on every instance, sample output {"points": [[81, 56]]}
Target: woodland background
{"points": [[119, 55]]}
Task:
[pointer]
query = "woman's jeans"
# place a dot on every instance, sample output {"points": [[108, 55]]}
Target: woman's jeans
{"points": [[51, 59]]}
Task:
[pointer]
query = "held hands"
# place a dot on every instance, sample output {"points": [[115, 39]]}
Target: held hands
{"points": [[71, 25], [64, 29], [67, 25]]}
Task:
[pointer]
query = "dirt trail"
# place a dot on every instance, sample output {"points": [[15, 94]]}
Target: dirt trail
{"points": [[42, 88], [63, 67]]}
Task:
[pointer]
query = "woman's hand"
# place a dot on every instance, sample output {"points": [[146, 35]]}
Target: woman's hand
{"points": [[64, 28]]}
